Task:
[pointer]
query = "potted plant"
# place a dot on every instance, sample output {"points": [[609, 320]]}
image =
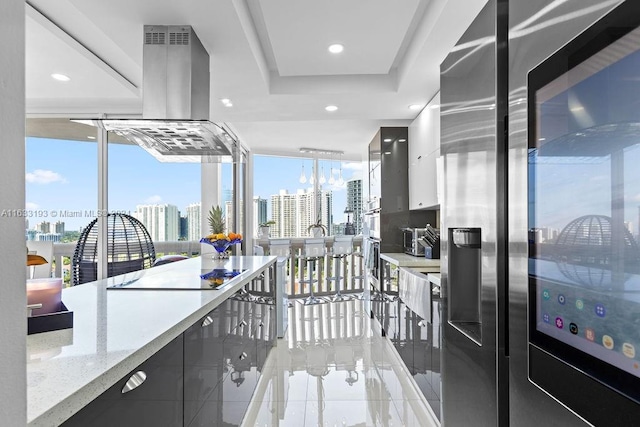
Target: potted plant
{"points": [[317, 229], [264, 229]]}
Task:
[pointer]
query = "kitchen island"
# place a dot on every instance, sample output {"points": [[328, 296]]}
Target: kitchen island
{"points": [[116, 330]]}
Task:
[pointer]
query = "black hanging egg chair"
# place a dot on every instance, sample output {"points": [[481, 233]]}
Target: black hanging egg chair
{"points": [[129, 248]]}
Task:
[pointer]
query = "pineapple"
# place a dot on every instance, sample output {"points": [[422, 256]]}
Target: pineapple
{"points": [[216, 220]]}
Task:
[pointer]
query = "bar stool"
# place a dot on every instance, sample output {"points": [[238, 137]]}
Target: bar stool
{"points": [[342, 247], [314, 250], [280, 247], [357, 254]]}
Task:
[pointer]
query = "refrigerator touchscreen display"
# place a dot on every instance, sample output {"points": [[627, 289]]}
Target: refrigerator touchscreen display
{"points": [[584, 210]]}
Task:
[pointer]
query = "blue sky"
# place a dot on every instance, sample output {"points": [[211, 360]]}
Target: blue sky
{"points": [[62, 176]]}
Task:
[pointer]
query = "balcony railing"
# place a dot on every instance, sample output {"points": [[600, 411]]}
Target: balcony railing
{"points": [[350, 267]]}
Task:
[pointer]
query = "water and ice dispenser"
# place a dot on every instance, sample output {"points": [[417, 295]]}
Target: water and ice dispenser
{"points": [[465, 281]]}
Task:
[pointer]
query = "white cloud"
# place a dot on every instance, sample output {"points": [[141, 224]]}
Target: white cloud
{"points": [[41, 176], [31, 205], [352, 165], [153, 200]]}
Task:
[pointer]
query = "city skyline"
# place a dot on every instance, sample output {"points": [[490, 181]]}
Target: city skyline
{"points": [[69, 194]]}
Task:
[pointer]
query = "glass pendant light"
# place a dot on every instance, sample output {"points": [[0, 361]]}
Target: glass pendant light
{"points": [[340, 181], [322, 179], [332, 180], [303, 178], [312, 179]]}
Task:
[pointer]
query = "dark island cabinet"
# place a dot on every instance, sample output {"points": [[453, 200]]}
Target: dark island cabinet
{"points": [[248, 333], [150, 395], [204, 363], [205, 377]]}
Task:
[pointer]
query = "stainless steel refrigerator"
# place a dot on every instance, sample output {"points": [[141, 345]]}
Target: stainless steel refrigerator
{"points": [[540, 123]]}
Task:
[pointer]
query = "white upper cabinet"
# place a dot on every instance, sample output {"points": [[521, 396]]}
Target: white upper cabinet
{"points": [[424, 150]]}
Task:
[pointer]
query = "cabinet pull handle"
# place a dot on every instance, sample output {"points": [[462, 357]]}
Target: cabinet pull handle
{"points": [[419, 157], [243, 356], [207, 321], [134, 382], [420, 204]]}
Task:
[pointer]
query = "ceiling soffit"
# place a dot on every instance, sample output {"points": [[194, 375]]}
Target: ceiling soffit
{"points": [[295, 51]]}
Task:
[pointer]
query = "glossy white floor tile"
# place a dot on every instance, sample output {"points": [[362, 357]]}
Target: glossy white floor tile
{"points": [[332, 370]]}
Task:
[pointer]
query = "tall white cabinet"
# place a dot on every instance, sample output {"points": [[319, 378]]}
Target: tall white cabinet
{"points": [[424, 151]]}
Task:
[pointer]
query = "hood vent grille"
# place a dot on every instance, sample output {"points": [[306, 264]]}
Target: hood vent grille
{"points": [[154, 37], [179, 39]]}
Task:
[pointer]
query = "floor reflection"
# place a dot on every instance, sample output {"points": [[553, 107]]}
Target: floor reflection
{"points": [[332, 370]]}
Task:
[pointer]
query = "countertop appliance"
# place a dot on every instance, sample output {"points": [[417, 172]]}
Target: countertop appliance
{"points": [[411, 241], [529, 341]]}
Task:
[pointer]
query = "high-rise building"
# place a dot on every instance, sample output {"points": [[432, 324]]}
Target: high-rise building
{"points": [[194, 215], [161, 221], [354, 202], [183, 227], [43, 227], [260, 213], [283, 212], [228, 216], [59, 227], [48, 237], [294, 213]]}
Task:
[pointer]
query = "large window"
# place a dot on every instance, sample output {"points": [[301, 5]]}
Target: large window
{"points": [[284, 192], [61, 183], [165, 197]]}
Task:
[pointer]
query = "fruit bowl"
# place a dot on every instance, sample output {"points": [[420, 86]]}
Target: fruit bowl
{"points": [[220, 245]]}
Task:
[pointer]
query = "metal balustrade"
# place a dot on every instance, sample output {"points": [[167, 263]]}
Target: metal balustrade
{"points": [[351, 269]]}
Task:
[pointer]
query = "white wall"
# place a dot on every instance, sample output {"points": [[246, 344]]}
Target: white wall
{"points": [[13, 300]]}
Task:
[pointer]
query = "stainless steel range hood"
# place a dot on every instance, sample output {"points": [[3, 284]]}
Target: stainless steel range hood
{"points": [[175, 124]]}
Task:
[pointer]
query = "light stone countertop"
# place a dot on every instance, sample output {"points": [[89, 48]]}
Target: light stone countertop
{"points": [[404, 260], [116, 330]]}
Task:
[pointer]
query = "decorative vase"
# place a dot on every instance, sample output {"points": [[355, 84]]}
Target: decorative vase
{"points": [[317, 231], [264, 232]]}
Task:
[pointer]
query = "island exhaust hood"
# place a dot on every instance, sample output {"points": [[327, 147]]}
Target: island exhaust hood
{"points": [[175, 124]]}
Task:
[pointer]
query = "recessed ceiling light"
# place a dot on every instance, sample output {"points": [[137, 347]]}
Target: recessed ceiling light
{"points": [[91, 137], [402, 140], [228, 104], [415, 106], [225, 100], [336, 48], [435, 106], [331, 108], [60, 77], [388, 140]]}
